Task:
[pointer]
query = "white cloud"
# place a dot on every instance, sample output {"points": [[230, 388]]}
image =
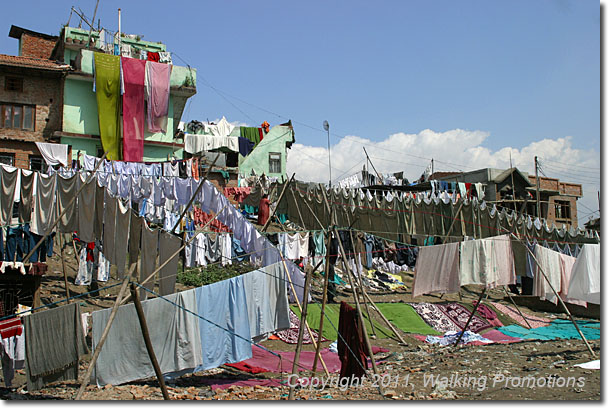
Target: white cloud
{"points": [[454, 150]]}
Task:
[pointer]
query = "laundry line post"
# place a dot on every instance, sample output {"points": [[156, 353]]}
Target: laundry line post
{"points": [[557, 296], [470, 317], [360, 281], [44, 237], [296, 297], [278, 202], [205, 177], [358, 309], [324, 300], [297, 353], [161, 266], [149, 347], [98, 348]]}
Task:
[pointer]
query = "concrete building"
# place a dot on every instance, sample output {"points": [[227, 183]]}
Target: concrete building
{"points": [[30, 98], [46, 95], [80, 127], [269, 156], [509, 187]]}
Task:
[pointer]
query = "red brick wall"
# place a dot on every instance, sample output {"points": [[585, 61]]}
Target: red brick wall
{"points": [[32, 46], [44, 92], [21, 151], [553, 184]]}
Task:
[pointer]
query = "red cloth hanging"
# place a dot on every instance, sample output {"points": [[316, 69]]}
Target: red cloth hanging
{"points": [[352, 336], [133, 109]]}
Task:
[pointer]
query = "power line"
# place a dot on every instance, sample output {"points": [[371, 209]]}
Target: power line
{"points": [[572, 165]]}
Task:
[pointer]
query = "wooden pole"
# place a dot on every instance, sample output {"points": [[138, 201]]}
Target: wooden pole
{"points": [[324, 299], [63, 265], [557, 296], [453, 222], [470, 317], [147, 342], [98, 348], [515, 304], [44, 237], [351, 282], [313, 340], [278, 203], [205, 177], [297, 352]]}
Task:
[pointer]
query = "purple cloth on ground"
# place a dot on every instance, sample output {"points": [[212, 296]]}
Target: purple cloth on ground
{"points": [[292, 335], [433, 316]]}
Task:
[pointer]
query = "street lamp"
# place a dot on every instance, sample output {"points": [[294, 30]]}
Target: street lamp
{"points": [[327, 127]]}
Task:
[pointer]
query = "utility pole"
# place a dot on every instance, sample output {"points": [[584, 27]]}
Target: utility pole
{"points": [[537, 187]]}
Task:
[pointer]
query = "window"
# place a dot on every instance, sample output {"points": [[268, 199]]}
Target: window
{"points": [[36, 163], [7, 159], [275, 163], [13, 84], [18, 116], [562, 210]]}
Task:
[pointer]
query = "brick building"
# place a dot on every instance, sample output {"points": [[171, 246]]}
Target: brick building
{"points": [[557, 198], [31, 98]]}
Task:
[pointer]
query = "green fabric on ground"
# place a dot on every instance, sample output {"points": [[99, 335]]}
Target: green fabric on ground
{"points": [[558, 329], [250, 133], [107, 88], [331, 312], [405, 318]]}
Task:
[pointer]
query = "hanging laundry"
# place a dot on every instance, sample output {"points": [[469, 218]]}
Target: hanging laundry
{"points": [[149, 252], [436, 270], [86, 210], [13, 348], [53, 154], [103, 268], [350, 344], [8, 176], [157, 95], [121, 237], [107, 88], [585, 276], [110, 213], [175, 337], [487, 262], [224, 329], [25, 204], [550, 264], [133, 72], [44, 205], [54, 342], [250, 133], [168, 246], [66, 188], [152, 56], [245, 146], [263, 210], [225, 248]]}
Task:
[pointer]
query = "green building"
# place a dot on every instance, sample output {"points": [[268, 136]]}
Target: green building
{"points": [[80, 128], [269, 156]]}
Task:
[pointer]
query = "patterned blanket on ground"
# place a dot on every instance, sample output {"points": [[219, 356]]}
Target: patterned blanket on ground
{"points": [[433, 316], [292, 335], [459, 315], [511, 311]]}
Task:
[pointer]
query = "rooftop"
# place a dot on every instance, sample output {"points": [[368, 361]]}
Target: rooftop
{"points": [[32, 62]]}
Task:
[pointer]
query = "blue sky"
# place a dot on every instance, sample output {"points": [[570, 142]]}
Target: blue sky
{"points": [[519, 71]]}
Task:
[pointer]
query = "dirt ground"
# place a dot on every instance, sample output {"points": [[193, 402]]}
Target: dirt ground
{"points": [[407, 372]]}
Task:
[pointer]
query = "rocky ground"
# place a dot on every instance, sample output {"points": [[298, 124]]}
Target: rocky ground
{"points": [[407, 372]]}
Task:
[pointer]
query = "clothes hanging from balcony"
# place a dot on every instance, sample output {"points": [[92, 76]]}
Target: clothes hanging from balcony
{"points": [[134, 72], [107, 89], [157, 95]]}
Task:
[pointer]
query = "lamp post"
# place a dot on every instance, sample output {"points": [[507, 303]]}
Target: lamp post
{"points": [[327, 128]]}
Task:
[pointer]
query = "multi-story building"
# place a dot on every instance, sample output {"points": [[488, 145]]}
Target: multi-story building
{"points": [[31, 98]]}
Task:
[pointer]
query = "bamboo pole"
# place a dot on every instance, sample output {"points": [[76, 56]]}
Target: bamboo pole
{"points": [[470, 317], [147, 342], [515, 304], [386, 321], [313, 340], [324, 299], [297, 352], [98, 348], [366, 335], [278, 204], [557, 296], [44, 237]]}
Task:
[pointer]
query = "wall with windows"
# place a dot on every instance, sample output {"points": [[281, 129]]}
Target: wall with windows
{"points": [[269, 156], [31, 105]]}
